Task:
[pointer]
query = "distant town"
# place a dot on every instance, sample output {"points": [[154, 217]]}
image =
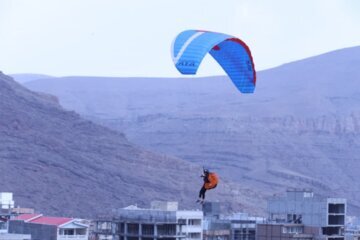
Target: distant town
{"points": [[297, 214]]}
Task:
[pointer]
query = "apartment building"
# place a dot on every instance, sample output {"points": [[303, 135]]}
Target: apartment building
{"points": [[163, 220]]}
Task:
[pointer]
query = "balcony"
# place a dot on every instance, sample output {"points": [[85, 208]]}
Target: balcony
{"points": [[72, 237]]}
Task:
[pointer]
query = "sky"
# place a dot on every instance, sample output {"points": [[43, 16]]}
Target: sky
{"points": [[129, 38]]}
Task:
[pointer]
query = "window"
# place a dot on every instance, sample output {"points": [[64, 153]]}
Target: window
{"points": [[121, 228], [308, 194], [293, 229], [3, 225], [69, 231], [336, 208], [336, 219], [194, 235], [166, 229], [147, 229], [104, 225], [196, 222], [133, 228], [182, 221]]}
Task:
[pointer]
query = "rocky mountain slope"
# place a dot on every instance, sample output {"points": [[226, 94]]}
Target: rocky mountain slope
{"points": [[301, 128], [60, 164]]}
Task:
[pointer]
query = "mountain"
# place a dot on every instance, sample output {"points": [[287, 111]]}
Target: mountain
{"points": [[61, 164], [27, 77], [300, 129]]}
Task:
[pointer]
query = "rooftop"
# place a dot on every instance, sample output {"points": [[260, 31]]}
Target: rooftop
{"points": [[40, 219]]}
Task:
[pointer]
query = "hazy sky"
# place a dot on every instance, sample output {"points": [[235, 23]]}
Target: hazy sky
{"points": [[133, 37]]}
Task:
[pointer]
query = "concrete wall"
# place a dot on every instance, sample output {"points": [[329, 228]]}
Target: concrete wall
{"points": [[275, 232], [37, 231], [164, 206], [9, 236]]}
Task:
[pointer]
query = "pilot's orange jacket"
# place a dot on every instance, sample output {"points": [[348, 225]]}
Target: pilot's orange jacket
{"points": [[213, 181]]}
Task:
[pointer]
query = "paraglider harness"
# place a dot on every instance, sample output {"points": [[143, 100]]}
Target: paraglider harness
{"points": [[210, 182]]}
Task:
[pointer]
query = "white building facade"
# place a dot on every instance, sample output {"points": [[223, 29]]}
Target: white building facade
{"points": [[193, 221], [6, 200], [163, 221]]}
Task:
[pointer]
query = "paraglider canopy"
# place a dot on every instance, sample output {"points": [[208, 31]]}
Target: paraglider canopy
{"points": [[233, 55]]}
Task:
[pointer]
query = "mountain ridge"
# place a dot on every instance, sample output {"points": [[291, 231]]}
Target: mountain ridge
{"points": [[60, 164], [299, 129]]}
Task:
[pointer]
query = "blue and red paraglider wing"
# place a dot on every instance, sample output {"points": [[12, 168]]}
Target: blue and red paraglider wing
{"points": [[232, 54]]}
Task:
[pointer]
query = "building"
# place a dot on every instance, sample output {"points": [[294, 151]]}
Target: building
{"points": [[162, 221], [18, 211], [243, 226], [6, 213], [216, 229], [284, 231], [301, 214], [3, 223], [6, 204], [49, 228], [352, 230], [238, 226], [6, 200], [102, 229]]}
